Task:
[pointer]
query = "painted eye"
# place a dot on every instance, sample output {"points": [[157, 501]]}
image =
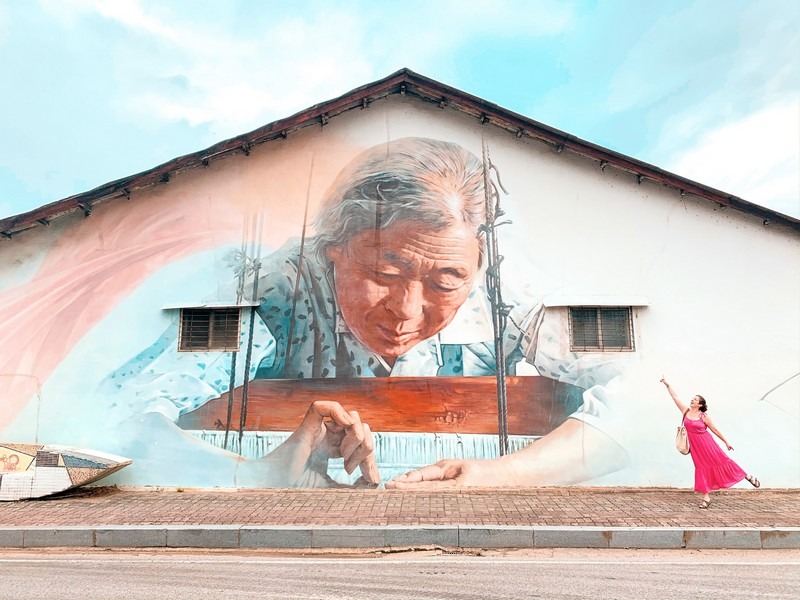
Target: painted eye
{"points": [[385, 277], [446, 285], [386, 274]]}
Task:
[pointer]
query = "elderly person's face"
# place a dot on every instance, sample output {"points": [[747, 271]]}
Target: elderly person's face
{"points": [[403, 284]]}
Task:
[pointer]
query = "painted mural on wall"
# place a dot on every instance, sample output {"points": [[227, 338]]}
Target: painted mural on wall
{"points": [[365, 346]]}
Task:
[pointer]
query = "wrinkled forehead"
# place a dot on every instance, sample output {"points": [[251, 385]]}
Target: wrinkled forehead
{"points": [[407, 244]]}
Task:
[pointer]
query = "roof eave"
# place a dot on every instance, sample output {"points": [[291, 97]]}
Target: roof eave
{"points": [[403, 81]]}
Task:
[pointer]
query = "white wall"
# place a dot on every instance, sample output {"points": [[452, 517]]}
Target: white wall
{"points": [[723, 290]]}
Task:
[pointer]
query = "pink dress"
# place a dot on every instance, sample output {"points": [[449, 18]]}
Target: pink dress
{"points": [[713, 469]]}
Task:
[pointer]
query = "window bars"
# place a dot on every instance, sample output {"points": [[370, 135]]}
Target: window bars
{"points": [[209, 330], [601, 329]]}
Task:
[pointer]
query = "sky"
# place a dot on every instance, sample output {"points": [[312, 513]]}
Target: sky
{"points": [[96, 90]]}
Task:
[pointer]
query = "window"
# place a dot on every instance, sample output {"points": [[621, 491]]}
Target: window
{"points": [[604, 329], [209, 329]]}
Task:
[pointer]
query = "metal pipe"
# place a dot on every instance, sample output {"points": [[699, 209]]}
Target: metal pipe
{"points": [[493, 285]]}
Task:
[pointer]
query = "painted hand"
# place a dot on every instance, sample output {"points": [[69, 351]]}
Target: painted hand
{"points": [[327, 431], [454, 473]]}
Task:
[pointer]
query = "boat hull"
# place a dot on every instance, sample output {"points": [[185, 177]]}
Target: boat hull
{"points": [[36, 470]]}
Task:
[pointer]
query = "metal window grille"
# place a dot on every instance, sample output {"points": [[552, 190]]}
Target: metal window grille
{"points": [[204, 329], [603, 329]]}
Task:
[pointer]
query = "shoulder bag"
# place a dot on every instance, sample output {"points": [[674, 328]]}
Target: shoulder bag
{"points": [[681, 439]]}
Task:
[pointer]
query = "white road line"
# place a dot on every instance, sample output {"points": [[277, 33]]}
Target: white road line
{"points": [[376, 561]]}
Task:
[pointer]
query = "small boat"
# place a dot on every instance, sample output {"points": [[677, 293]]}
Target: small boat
{"points": [[36, 470]]}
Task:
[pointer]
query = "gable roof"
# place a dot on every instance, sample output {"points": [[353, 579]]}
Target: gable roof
{"points": [[404, 82]]}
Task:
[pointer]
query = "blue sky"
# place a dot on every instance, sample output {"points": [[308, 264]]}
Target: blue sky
{"points": [[95, 90]]}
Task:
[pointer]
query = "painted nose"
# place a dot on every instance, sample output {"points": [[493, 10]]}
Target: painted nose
{"points": [[406, 302]]}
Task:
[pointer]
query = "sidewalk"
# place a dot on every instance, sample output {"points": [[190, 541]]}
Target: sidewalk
{"points": [[348, 518]]}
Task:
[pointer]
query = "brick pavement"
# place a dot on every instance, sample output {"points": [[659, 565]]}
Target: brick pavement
{"points": [[570, 507]]}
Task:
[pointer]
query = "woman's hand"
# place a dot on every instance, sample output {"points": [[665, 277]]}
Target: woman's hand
{"points": [[728, 446]]}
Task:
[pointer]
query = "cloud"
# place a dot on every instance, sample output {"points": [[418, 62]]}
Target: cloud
{"points": [[714, 97], [112, 87], [720, 52], [230, 82], [756, 157], [239, 80], [663, 83]]}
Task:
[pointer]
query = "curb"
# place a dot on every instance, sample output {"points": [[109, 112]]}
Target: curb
{"points": [[398, 536]]}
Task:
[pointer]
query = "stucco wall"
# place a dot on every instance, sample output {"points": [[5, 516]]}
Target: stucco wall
{"points": [[83, 297]]}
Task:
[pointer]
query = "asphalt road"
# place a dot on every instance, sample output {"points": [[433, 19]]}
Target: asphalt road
{"points": [[552, 574]]}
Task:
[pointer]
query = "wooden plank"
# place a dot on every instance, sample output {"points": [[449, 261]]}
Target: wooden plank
{"points": [[536, 405]]}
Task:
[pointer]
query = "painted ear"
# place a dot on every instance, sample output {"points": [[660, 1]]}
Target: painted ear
{"points": [[334, 253]]}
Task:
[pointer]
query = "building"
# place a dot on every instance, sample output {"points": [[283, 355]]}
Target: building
{"points": [[287, 254]]}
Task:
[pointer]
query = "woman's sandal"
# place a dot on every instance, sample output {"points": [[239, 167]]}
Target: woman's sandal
{"points": [[705, 504], [753, 481]]}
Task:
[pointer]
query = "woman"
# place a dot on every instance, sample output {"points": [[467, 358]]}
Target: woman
{"points": [[713, 469]]}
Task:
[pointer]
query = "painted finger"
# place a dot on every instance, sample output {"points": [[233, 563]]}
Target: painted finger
{"points": [[428, 473], [421, 485], [362, 483], [320, 409], [364, 457], [369, 469], [356, 451], [334, 435], [353, 437]]}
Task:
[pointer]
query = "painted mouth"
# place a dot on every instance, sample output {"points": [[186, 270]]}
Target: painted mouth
{"points": [[397, 337]]}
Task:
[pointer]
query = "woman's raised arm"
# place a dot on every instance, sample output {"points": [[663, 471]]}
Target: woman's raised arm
{"points": [[681, 406]]}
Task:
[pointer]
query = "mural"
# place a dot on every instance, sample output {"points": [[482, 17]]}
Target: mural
{"points": [[367, 350], [390, 287]]}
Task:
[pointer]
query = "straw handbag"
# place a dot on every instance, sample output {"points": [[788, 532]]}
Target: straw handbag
{"points": [[681, 439]]}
